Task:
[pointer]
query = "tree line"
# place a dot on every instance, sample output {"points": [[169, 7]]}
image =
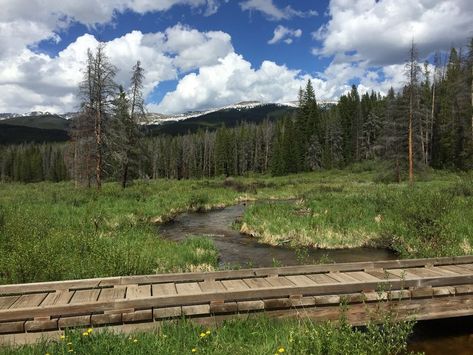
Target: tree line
{"points": [[428, 123]]}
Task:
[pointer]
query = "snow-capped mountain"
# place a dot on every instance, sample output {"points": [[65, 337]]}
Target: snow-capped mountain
{"points": [[157, 118]]}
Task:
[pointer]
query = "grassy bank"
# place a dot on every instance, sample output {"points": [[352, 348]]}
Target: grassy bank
{"points": [[253, 337], [432, 218]]}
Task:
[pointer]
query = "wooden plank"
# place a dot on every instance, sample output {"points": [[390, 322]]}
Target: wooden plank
{"points": [[444, 272], [425, 272], [247, 306], [381, 274], [301, 280], [12, 327], [279, 281], [165, 289], [134, 292], [342, 277], [60, 297], [257, 283], [212, 286], [106, 319], [188, 288], [302, 301], [7, 301], [77, 321], [277, 303], [138, 316], [195, 310], [322, 279], [85, 296], [403, 274], [456, 269], [328, 299], [28, 301], [113, 293], [362, 276], [167, 312], [41, 325], [235, 285], [223, 307]]}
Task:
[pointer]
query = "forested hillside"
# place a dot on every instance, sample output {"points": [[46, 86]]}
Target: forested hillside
{"points": [[429, 123]]}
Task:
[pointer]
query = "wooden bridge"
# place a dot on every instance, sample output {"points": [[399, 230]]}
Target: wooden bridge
{"points": [[420, 288]]}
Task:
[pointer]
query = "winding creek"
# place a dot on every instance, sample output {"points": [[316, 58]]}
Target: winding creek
{"points": [[450, 336]]}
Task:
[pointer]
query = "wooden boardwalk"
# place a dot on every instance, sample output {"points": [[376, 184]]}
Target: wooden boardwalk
{"points": [[420, 288]]}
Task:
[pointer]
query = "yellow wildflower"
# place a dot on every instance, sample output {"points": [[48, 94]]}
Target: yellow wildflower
{"points": [[62, 337], [90, 330], [69, 343], [207, 332], [202, 335], [71, 350], [281, 350], [85, 334], [194, 350], [135, 340]]}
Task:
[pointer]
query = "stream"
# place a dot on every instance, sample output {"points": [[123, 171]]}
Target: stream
{"points": [[446, 336]]}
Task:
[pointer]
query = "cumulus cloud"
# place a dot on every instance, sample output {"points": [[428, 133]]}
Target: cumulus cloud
{"points": [[381, 31], [26, 22], [285, 34], [43, 81], [233, 79], [272, 12]]}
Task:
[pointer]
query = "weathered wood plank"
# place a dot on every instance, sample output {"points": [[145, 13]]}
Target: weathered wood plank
{"points": [[113, 293], [425, 272], [456, 269], [28, 301], [257, 283], [279, 281], [212, 286], [322, 279], [7, 301], [342, 277], [60, 297], [362, 276], [235, 285], [134, 292], [188, 288], [301, 280], [165, 289], [85, 296]]}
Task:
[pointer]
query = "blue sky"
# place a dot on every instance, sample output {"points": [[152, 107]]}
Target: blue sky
{"points": [[200, 54]]}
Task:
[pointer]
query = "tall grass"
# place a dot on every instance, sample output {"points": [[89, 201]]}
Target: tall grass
{"points": [[433, 218], [257, 335]]}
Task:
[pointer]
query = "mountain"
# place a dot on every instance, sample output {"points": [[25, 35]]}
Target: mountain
{"points": [[46, 127], [37, 120], [248, 111]]}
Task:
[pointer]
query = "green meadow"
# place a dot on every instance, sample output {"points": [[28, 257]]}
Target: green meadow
{"points": [[57, 231]]}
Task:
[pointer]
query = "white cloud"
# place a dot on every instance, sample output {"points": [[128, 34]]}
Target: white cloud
{"points": [[368, 40], [45, 81], [285, 34], [381, 31], [26, 22], [268, 8], [232, 80]]}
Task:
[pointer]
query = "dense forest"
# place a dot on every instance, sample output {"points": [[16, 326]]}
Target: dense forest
{"points": [[429, 123]]}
